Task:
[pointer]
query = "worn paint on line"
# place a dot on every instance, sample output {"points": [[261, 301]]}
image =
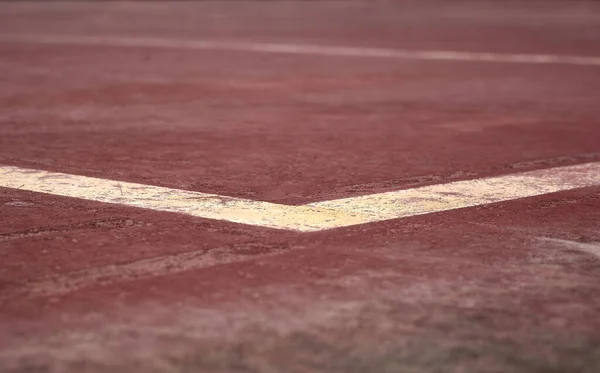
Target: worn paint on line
{"points": [[339, 51], [203, 205], [313, 216], [460, 194]]}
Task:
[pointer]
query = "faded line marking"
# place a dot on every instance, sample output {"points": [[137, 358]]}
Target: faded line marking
{"points": [[336, 51], [313, 216], [589, 248], [136, 270]]}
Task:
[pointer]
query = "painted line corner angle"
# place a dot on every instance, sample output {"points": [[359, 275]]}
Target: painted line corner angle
{"points": [[310, 217]]}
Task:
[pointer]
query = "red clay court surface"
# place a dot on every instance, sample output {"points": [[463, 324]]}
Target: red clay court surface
{"points": [[119, 91]]}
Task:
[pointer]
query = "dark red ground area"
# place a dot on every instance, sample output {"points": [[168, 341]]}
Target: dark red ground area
{"points": [[91, 287], [287, 128]]}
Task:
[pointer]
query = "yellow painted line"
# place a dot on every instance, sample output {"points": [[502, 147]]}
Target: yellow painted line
{"points": [[313, 216], [304, 49]]}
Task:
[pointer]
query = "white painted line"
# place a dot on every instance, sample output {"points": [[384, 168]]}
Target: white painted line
{"points": [[203, 205], [460, 194], [313, 216], [321, 50]]}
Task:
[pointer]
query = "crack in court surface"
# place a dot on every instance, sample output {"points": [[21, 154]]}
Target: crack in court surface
{"points": [[310, 217]]}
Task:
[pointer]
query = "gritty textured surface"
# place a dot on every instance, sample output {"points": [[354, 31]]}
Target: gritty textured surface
{"points": [[90, 287]]}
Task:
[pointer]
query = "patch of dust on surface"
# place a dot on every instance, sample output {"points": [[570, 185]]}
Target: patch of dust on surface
{"points": [[369, 321], [591, 248]]}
